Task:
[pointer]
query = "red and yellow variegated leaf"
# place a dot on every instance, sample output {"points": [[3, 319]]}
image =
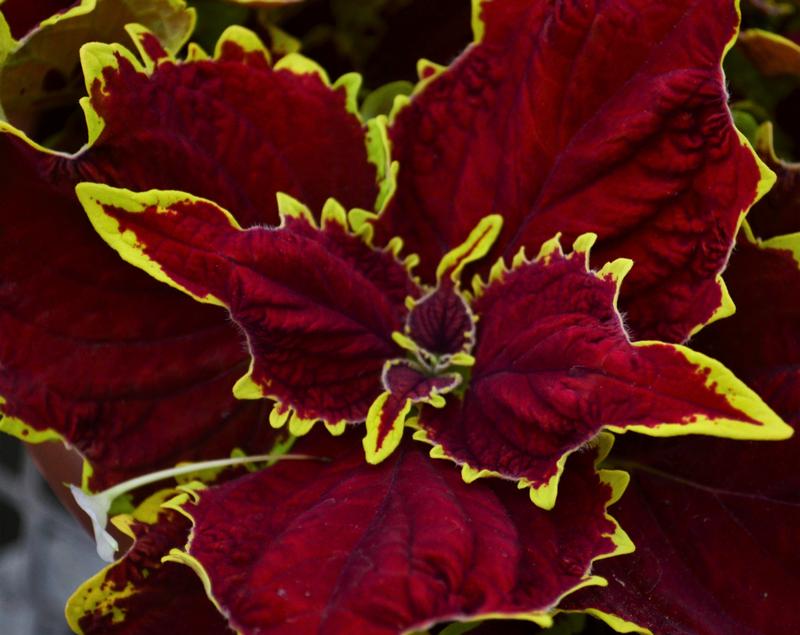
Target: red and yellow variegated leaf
{"points": [[586, 116], [760, 342], [554, 366], [40, 80], [133, 375], [715, 523], [345, 547], [440, 329], [140, 594], [130, 373], [405, 384], [235, 129], [318, 306]]}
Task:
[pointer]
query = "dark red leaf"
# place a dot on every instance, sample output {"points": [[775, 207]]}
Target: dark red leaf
{"points": [[133, 375], [130, 373], [759, 343], [406, 384], [715, 524], [441, 322], [586, 116], [318, 306], [344, 547], [403, 379], [228, 129], [41, 80], [140, 594], [554, 366]]}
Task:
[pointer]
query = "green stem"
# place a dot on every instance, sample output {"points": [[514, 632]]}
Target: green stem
{"points": [[146, 479]]}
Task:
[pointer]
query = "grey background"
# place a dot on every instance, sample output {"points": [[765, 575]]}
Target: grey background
{"points": [[44, 553]]}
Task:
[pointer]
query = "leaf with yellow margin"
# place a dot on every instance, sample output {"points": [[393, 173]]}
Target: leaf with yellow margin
{"points": [[554, 366], [140, 594], [317, 304], [310, 541], [715, 523], [107, 356], [41, 77], [574, 117], [406, 384]]}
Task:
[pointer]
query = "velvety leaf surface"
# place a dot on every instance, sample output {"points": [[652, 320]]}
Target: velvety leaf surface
{"points": [[402, 378], [760, 341], [106, 356], [406, 384], [715, 524], [318, 305], [554, 366], [131, 373], [41, 82], [344, 547], [140, 594], [441, 322], [234, 130], [585, 116]]}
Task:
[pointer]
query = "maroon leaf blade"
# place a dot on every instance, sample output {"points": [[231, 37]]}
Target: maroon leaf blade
{"points": [[318, 305], [715, 521], [441, 323], [554, 366], [716, 546], [405, 385], [429, 547], [94, 352], [759, 342], [227, 129], [104, 356], [140, 594], [575, 117]]}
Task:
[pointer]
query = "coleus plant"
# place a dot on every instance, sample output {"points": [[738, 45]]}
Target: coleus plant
{"points": [[408, 272]]}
